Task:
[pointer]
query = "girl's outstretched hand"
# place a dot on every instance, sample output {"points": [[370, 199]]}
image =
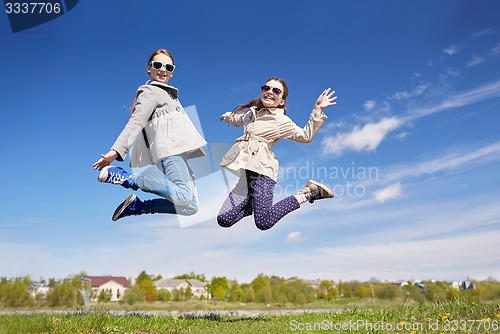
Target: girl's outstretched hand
{"points": [[326, 99], [105, 160]]}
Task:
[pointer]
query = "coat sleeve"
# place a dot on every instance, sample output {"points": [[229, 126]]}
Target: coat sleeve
{"points": [[290, 130], [144, 107], [238, 119]]}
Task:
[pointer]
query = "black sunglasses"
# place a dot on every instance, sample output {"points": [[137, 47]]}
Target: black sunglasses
{"points": [[157, 65], [275, 90]]}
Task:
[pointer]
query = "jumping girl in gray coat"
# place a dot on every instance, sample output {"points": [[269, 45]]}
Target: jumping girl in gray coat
{"points": [[265, 122], [162, 134]]}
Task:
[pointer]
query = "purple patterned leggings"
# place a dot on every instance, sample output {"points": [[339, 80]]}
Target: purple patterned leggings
{"points": [[254, 193]]}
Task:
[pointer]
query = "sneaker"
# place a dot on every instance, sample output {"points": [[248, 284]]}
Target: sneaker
{"points": [[115, 175], [314, 190], [129, 207]]}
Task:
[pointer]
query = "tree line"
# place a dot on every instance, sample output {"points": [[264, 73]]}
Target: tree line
{"points": [[15, 292]]}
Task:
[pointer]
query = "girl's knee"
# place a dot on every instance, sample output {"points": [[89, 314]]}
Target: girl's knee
{"points": [[263, 223], [183, 198], [190, 208]]}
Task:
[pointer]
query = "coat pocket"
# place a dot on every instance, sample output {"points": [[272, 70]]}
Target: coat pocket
{"points": [[230, 155]]}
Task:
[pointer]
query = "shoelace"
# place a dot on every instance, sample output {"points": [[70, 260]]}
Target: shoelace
{"points": [[313, 194], [116, 178]]}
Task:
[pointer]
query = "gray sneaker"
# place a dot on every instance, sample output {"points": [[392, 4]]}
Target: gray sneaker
{"points": [[314, 190]]}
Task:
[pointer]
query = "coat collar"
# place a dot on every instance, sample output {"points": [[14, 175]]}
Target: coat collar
{"points": [[168, 88], [274, 111]]}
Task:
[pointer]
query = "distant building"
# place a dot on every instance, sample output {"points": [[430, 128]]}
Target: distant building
{"points": [[198, 288], [40, 289], [468, 285], [314, 283], [115, 285]]}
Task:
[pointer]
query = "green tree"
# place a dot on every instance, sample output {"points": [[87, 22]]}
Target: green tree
{"points": [[327, 290], [146, 285], [262, 288], [15, 292], [235, 292], [149, 291], [218, 288], [362, 290], [490, 290], [104, 296], [143, 276], [62, 294], [132, 296], [323, 289], [164, 295], [248, 293], [278, 289], [412, 291], [299, 292], [333, 293], [387, 291], [192, 275], [345, 289], [188, 294], [177, 295], [434, 292]]}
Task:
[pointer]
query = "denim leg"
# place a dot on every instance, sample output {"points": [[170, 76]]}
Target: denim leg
{"points": [[161, 205], [177, 188]]}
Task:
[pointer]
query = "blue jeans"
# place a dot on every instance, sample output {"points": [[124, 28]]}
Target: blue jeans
{"points": [[177, 188]]}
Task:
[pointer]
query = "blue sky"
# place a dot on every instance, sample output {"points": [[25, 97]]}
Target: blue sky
{"points": [[412, 149]]}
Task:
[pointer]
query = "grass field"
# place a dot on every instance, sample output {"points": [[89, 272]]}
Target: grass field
{"points": [[447, 317]]}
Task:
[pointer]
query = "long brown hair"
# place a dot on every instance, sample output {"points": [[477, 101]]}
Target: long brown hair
{"points": [[157, 52], [258, 103]]}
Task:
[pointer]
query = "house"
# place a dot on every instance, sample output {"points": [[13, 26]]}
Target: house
{"points": [[39, 289], [468, 285], [198, 288], [115, 285], [314, 283]]}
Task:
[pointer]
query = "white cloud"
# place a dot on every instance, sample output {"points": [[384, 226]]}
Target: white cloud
{"points": [[481, 33], [476, 60], [496, 49], [440, 258], [417, 91], [453, 240], [369, 105], [295, 237], [449, 72], [366, 138], [452, 49], [450, 161], [392, 191], [484, 92], [369, 137]]}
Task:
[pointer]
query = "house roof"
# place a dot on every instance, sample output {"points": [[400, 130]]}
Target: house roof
{"points": [[169, 283], [196, 284], [175, 283], [97, 281]]}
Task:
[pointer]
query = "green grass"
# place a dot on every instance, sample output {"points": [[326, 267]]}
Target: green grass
{"points": [[448, 317]]}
